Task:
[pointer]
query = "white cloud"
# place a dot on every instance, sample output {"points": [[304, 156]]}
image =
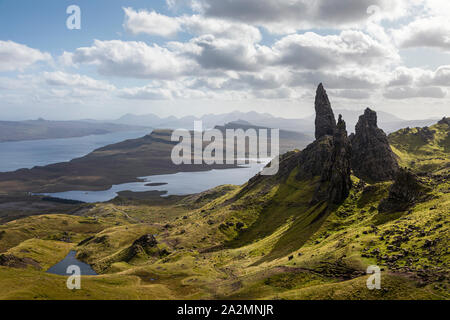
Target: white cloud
{"points": [[162, 90], [152, 23], [132, 59], [433, 32], [227, 54], [219, 51], [440, 77], [199, 25], [145, 93], [308, 51], [414, 92], [279, 93], [345, 79], [18, 57], [352, 94], [349, 48], [405, 77], [435, 7], [287, 16], [63, 79]]}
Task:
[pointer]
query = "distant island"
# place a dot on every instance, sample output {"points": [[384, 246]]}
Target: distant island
{"points": [[45, 129]]}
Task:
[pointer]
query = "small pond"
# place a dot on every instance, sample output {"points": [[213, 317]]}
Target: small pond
{"points": [[61, 267]]}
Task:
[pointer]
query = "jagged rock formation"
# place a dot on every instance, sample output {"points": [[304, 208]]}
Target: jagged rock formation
{"points": [[335, 178], [372, 156], [313, 158], [325, 121], [329, 160], [404, 193], [329, 156], [339, 169]]}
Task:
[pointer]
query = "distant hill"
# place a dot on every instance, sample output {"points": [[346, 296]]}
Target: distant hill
{"points": [[388, 122], [289, 140], [44, 129], [212, 120], [424, 149]]}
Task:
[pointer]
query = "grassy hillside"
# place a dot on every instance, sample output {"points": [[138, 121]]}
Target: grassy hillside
{"points": [[264, 240], [423, 149]]}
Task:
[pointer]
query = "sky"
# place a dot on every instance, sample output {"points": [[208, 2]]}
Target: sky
{"points": [[195, 57]]}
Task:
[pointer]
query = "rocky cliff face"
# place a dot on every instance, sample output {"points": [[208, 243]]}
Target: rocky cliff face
{"points": [[372, 156], [329, 156], [313, 158], [335, 182], [339, 166], [325, 121]]}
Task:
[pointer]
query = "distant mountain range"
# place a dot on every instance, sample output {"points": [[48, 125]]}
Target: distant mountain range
{"points": [[289, 140], [44, 129], [387, 121]]}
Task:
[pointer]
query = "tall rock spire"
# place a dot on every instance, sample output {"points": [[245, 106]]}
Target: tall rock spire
{"points": [[325, 121], [335, 179], [372, 156]]}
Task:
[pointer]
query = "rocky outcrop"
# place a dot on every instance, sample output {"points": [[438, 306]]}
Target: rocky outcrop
{"points": [[445, 121], [425, 134], [11, 261], [372, 156], [144, 246], [335, 178], [325, 121], [406, 191]]}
